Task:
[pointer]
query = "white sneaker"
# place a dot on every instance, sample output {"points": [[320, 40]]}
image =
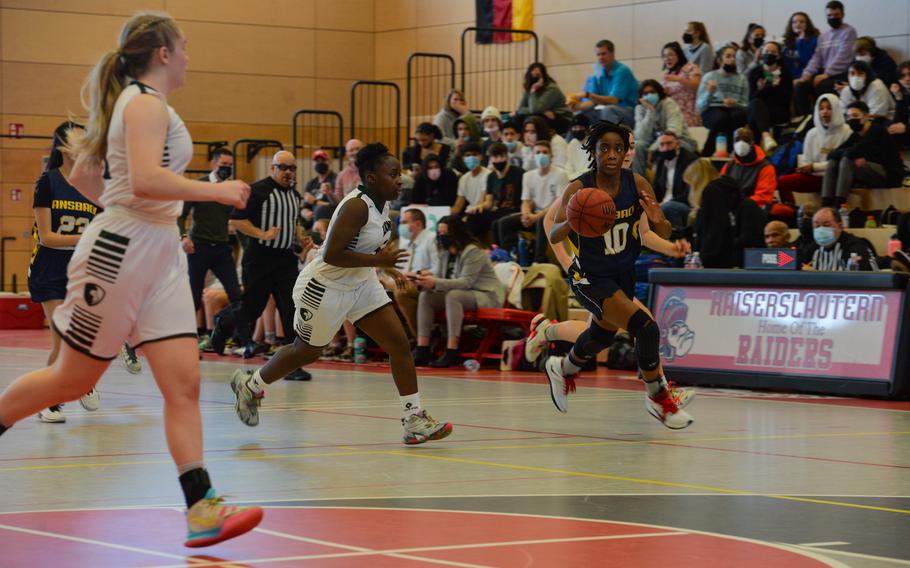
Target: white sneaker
{"points": [[52, 415], [560, 385], [248, 402], [768, 143], [91, 401], [538, 337], [130, 359], [421, 427], [664, 407]]}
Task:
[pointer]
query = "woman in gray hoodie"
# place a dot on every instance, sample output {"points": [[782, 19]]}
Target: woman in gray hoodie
{"points": [[464, 280]]}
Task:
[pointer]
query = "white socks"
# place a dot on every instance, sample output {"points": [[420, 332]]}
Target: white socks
{"points": [[655, 386], [410, 404], [256, 384]]}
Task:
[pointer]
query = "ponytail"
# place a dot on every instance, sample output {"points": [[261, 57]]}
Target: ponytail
{"points": [[141, 36]]}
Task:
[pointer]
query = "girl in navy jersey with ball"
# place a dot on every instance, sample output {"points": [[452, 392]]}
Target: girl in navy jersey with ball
{"points": [[603, 273]]}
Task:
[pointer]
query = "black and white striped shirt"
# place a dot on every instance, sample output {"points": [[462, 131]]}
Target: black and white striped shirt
{"points": [[836, 258], [271, 205]]}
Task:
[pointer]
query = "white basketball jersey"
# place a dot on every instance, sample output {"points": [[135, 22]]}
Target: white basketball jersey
{"points": [[373, 236], [178, 151]]}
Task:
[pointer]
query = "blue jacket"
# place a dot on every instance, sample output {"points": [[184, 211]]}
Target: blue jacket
{"points": [[620, 82]]}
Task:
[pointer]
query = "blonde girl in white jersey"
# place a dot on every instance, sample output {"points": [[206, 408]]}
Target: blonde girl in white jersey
{"points": [[127, 278], [342, 284]]}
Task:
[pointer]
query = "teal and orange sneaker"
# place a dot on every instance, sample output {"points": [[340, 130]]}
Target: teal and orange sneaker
{"points": [[211, 521], [421, 427]]}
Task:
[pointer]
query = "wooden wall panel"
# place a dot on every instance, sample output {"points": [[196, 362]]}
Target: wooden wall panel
{"points": [[41, 88], [102, 7], [344, 55], [284, 13], [60, 38], [353, 15]]}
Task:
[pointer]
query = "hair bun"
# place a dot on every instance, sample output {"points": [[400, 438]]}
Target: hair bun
{"points": [[370, 152]]}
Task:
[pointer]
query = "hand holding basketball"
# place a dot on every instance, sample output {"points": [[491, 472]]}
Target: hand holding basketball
{"points": [[591, 212]]}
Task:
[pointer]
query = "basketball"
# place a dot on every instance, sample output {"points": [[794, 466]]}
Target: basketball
{"points": [[591, 212]]}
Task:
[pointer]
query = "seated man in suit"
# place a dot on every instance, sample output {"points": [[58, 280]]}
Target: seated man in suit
{"points": [[669, 188]]}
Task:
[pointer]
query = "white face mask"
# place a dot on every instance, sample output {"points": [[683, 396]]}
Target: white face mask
{"points": [[866, 58], [742, 148], [857, 82]]}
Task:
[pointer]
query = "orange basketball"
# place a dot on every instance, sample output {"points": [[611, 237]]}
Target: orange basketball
{"points": [[591, 212]]}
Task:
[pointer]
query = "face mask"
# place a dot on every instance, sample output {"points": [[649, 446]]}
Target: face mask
{"points": [[856, 124], [652, 98], [471, 162], [824, 236], [866, 58], [857, 83], [769, 59], [835, 22], [500, 166], [467, 138], [491, 131], [729, 67], [742, 148], [445, 241], [757, 42], [667, 154], [511, 145], [434, 173], [579, 135], [404, 232], [224, 172], [687, 38], [543, 160], [321, 168]]}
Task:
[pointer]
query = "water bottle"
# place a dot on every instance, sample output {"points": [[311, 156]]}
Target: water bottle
{"points": [[853, 263], [688, 262], [720, 146], [844, 216], [696, 260], [870, 222], [360, 350], [472, 365], [524, 253], [894, 245]]}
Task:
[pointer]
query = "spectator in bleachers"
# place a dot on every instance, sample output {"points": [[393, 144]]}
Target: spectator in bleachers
{"points": [[770, 94], [542, 97], [900, 128], [613, 87], [863, 86], [466, 131], [540, 187], [722, 99], [698, 47], [805, 242], [670, 189], [777, 235], [423, 257], [829, 132], [463, 280], [511, 137], [491, 120], [869, 157], [453, 107], [751, 170], [883, 65], [681, 80], [436, 185], [536, 128], [697, 176], [749, 50], [800, 41], [349, 178], [834, 247], [656, 113], [577, 159], [726, 224], [319, 192], [503, 198], [472, 191], [427, 138], [832, 56]]}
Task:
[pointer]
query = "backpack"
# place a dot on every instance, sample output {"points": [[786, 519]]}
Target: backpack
{"points": [[784, 158], [226, 318], [622, 353]]}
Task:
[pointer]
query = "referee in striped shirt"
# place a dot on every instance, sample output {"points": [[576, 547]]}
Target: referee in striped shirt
{"points": [[269, 260]]}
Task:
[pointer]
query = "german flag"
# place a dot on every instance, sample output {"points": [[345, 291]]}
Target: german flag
{"points": [[505, 14]]}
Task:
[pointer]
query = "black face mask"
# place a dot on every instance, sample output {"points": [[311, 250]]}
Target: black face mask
{"points": [[667, 154], [757, 42], [769, 59], [500, 166], [224, 172], [445, 241], [856, 124], [687, 37], [730, 67], [321, 168], [835, 22]]}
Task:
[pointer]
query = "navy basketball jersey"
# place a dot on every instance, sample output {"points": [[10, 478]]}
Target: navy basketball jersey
{"points": [[615, 251], [71, 212]]}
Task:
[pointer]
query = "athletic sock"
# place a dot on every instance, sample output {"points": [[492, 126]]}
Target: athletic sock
{"points": [[550, 333], [410, 404], [569, 366], [655, 386], [195, 484], [256, 383]]}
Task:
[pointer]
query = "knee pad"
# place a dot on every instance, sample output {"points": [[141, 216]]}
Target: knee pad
{"points": [[592, 341], [647, 340]]}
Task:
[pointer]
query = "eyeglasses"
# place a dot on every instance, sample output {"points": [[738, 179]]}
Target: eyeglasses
{"points": [[285, 167]]}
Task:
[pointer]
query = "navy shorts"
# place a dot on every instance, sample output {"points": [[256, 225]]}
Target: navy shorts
{"points": [[593, 290], [47, 275]]}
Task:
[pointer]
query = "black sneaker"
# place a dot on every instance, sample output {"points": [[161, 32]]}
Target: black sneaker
{"points": [[422, 356], [299, 375], [449, 359], [218, 338], [253, 349]]}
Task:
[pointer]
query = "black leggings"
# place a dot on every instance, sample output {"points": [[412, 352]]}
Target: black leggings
{"points": [[722, 120]]}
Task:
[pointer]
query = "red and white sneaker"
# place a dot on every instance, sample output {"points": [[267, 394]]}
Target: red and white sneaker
{"points": [[560, 384], [665, 407], [538, 337]]}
